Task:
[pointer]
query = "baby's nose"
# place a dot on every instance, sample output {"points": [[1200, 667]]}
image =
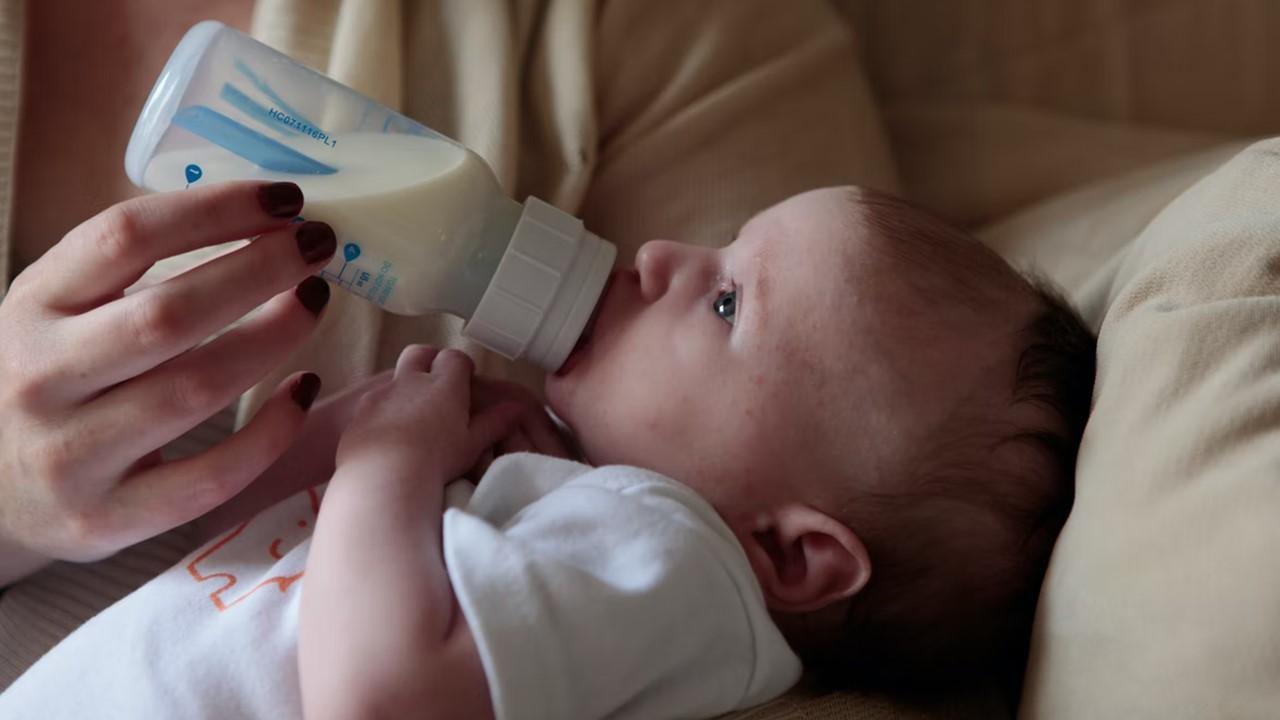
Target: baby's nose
{"points": [[655, 262]]}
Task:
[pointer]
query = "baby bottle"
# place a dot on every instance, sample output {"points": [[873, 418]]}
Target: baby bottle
{"points": [[422, 224]]}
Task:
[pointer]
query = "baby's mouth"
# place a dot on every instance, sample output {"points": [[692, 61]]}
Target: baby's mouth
{"points": [[585, 338]]}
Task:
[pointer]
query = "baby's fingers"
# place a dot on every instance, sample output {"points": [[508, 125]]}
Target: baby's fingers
{"points": [[453, 366], [543, 435], [177, 492], [415, 358], [516, 441], [491, 426]]}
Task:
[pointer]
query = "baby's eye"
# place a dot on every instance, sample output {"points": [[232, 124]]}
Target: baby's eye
{"points": [[726, 305]]}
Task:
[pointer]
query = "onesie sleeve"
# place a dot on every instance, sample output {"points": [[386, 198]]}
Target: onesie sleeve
{"points": [[618, 594]]}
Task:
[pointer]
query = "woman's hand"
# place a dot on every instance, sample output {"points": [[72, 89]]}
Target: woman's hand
{"points": [[94, 381], [423, 423], [308, 462]]}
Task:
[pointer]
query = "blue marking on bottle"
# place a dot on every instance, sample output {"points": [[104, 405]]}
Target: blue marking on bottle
{"points": [[273, 117], [266, 90], [194, 173], [350, 251], [249, 144], [246, 105]]}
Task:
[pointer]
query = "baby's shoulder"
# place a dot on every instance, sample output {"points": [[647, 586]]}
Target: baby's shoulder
{"points": [[537, 494], [642, 488], [537, 476]]}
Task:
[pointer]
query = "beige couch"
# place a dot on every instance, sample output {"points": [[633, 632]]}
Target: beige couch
{"points": [[1104, 142]]}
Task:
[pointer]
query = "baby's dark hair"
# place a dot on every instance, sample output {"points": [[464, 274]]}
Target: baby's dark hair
{"points": [[960, 593]]}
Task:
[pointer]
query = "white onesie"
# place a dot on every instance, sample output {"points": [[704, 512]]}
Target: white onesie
{"points": [[609, 592]]}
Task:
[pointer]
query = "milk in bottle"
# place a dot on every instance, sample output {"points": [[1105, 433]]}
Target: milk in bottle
{"points": [[422, 223]]}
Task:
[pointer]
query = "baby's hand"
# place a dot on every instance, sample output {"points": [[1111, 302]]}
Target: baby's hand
{"points": [[533, 432], [422, 423]]}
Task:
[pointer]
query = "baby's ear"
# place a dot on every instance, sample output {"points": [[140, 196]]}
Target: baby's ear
{"points": [[804, 558]]}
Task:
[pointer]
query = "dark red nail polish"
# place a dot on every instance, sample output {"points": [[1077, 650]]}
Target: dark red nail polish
{"points": [[305, 389], [282, 199], [313, 293], [316, 242]]}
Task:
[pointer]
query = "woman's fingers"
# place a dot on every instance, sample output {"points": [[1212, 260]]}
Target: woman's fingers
{"points": [[107, 253], [307, 462], [158, 406], [162, 497], [135, 333]]}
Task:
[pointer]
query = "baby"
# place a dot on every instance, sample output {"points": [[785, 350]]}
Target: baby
{"points": [[845, 440]]}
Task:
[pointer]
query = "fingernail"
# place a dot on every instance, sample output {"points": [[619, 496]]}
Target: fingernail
{"points": [[313, 293], [282, 199], [305, 389], [316, 241]]}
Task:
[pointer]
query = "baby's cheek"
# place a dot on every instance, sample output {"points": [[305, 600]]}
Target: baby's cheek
{"points": [[759, 425], [673, 409], [654, 423], [642, 426]]}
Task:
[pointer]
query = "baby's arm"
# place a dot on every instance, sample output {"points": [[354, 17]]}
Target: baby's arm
{"points": [[309, 460], [382, 634], [381, 631]]}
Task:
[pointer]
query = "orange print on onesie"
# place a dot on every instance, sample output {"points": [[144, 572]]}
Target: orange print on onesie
{"points": [[204, 568]]}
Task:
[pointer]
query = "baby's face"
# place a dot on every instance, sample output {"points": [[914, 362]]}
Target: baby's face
{"points": [[738, 370]]}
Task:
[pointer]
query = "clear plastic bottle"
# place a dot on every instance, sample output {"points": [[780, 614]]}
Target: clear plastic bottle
{"points": [[422, 223]]}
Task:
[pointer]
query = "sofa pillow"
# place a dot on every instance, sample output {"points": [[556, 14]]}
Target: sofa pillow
{"points": [[1077, 238], [1163, 594]]}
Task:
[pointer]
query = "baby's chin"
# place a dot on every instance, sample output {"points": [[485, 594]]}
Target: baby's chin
{"points": [[554, 391]]}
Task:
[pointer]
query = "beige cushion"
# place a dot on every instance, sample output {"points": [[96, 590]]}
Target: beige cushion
{"points": [[1188, 64], [972, 162], [1163, 591], [1077, 238]]}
